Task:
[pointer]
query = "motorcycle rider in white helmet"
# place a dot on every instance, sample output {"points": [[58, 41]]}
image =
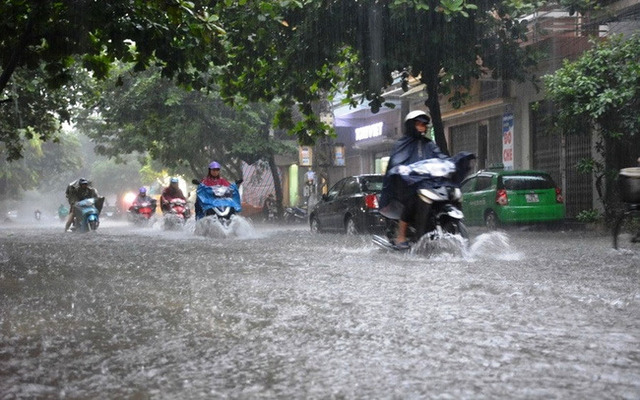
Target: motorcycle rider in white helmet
{"points": [[397, 200]]}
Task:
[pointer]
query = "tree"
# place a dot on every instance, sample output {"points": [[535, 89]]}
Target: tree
{"points": [[583, 6], [35, 110], [183, 130], [327, 46], [601, 91], [45, 37], [182, 37], [292, 51], [45, 164]]}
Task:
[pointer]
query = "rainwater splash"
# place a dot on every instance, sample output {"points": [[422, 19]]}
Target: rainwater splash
{"points": [[213, 227], [172, 222], [210, 227], [243, 228], [449, 246], [493, 245]]}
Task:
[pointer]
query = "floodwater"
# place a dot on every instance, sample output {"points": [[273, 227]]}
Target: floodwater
{"points": [[276, 312]]}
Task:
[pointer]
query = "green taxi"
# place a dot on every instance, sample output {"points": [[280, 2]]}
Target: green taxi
{"points": [[494, 198]]}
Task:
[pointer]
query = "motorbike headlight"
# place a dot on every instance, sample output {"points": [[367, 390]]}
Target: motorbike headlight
{"points": [[456, 194]]}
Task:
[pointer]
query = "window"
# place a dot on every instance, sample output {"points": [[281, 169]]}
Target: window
{"points": [[371, 184], [333, 192], [528, 182], [351, 187], [484, 182], [492, 89], [468, 185]]}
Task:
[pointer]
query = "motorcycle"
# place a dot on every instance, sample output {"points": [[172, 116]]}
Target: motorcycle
{"points": [[63, 212], [176, 213], [86, 214], [223, 202], [271, 213], [269, 209], [438, 212], [295, 215], [141, 213]]}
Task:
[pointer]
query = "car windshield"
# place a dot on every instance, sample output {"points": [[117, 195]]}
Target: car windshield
{"points": [[527, 182], [372, 184]]}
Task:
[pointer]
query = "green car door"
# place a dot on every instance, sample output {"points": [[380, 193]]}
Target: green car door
{"points": [[469, 200], [478, 196]]}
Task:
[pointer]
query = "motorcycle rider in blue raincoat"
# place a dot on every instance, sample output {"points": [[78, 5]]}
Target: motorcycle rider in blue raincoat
{"points": [[397, 199], [205, 197]]}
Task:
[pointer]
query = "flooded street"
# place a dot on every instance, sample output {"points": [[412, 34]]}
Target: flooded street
{"points": [[277, 312]]}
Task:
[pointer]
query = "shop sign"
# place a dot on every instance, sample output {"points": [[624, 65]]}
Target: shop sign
{"points": [[507, 141], [369, 131], [305, 156], [338, 155]]}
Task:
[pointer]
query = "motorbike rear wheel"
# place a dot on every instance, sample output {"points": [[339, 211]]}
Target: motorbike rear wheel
{"points": [[93, 225]]}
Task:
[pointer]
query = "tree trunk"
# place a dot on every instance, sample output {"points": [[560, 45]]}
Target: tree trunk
{"points": [[431, 75], [436, 118], [276, 182]]}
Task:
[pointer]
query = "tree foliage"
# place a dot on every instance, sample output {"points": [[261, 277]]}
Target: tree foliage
{"points": [[44, 164], [184, 130], [327, 46], [583, 6], [601, 90], [168, 34], [41, 40], [35, 110], [294, 51]]}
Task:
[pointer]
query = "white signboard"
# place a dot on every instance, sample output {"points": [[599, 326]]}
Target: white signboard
{"points": [[305, 155], [507, 141], [369, 131]]}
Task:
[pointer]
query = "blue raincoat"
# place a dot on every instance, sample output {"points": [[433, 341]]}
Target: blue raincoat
{"points": [[206, 199], [398, 188]]}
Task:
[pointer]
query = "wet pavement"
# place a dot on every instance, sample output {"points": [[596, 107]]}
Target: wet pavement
{"points": [[276, 312]]}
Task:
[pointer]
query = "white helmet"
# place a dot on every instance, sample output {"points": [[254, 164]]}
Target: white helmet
{"points": [[418, 115]]}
